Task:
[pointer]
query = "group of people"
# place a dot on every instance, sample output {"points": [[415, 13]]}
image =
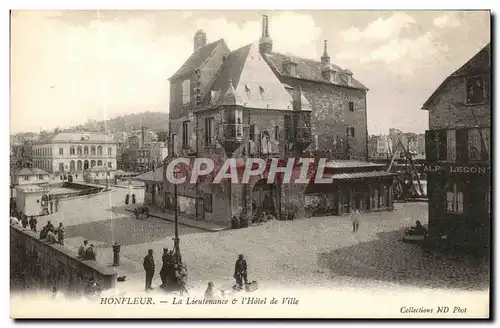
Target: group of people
{"points": [[240, 275], [22, 219], [173, 273], [87, 252], [52, 235]]}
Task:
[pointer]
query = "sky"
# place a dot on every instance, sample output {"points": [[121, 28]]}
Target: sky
{"points": [[70, 67]]}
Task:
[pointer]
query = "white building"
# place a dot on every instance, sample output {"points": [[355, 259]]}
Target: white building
{"points": [[69, 154]]}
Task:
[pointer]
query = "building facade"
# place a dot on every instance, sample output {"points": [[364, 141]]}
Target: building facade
{"points": [[253, 102], [68, 154], [458, 154]]}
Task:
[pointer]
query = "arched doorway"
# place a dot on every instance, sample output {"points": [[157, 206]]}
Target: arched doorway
{"points": [[85, 165], [92, 163], [72, 166], [265, 198], [79, 166], [70, 178]]}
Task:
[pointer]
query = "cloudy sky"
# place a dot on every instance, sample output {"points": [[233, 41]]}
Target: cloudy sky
{"points": [[68, 67]]}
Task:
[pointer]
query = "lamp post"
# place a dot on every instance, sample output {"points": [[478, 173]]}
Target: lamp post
{"points": [[107, 175], [176, 222]]}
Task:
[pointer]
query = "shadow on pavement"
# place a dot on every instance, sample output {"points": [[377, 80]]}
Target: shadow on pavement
{"points": [[388, 259], [127, 231]]}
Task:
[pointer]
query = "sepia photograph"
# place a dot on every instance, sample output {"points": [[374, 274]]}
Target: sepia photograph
{"points": [[263, 164]]}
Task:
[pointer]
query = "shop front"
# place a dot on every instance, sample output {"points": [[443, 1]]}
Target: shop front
{"points": [[460, 203]]}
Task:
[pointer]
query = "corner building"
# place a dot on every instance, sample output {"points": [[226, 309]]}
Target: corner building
{"points": [[253, 102], [458, 155]]}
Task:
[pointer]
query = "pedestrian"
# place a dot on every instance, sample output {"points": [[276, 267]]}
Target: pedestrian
{"points": [[83, 249], [240, 271], [60, 233], [51, 236], [181, 275], [355, 218], [49, 225], [166, 262], [43, 233], [51, 206], [14, 221], [133, 198], [90, 254], [209, 292], [24, 222], [56, 204], [149, 268], [33, 223]]}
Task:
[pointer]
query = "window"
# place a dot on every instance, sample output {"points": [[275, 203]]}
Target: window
{"points": [[110, 165], [79, 150], [92, 150], [485, 135], [351, 132], [61, 167], [174, 144], [40, 177], [110, 151], [99, 150], [454, 197], [252, 132], [72, 151], [474, 145], [276, 133], [85, 150], [25, 178], [185, 134], [99, 163], [92, 163], [451, 143], [61, 151], [475, 90], [186, 95], [351, 106], [209, 131]]}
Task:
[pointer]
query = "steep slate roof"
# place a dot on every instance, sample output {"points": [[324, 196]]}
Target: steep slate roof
{"points": [[307, 69], [480, 63], [31, 171], [255, 84], [197, 59]]}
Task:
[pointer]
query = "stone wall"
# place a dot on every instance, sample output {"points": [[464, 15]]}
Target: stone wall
{"points": [[450, 111], [35, 264]]}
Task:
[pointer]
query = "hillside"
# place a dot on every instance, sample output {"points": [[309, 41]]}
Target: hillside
{"points": [[155, 121]]}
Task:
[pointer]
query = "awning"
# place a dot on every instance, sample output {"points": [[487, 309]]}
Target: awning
{"points": [[362, 175]]}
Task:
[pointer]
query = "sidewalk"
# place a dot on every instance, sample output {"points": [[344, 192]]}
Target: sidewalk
{"points": [[183, 219]]}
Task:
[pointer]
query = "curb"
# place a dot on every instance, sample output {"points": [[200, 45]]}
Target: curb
{"points": [[186, 224]]}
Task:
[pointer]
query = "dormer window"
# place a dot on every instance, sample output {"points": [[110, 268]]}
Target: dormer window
{"points": [[186, 92], [476, 91], [289, 67]]}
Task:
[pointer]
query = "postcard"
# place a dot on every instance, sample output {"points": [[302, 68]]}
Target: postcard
{"points": [[250, 164]]}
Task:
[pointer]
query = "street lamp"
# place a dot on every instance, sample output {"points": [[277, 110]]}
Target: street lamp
{"points": [[176, 222]]}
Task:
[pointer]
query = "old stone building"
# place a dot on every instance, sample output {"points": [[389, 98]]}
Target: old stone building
{"points": [[458, 152], [253, 102]]}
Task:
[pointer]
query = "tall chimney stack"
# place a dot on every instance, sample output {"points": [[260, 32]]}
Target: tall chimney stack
{"points": [[265, 43], [143, 136], [325, 59], [200, 40]]}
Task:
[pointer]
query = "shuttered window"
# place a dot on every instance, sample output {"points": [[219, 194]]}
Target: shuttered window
{"points": [[451, 145], [474, 145]]}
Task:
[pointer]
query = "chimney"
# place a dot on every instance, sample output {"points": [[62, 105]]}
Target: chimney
{"points": [[200, 40], [325, 59], [265, 43]]}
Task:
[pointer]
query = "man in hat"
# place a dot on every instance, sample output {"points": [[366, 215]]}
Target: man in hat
{"points": [[149, 268], [240, 271], [33, 223], [83, 249]]}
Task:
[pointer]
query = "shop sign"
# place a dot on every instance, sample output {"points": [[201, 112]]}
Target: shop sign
{"points": [[470, 169]]}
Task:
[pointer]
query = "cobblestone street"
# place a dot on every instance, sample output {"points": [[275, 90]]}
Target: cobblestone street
{"points": [[319, 252]]}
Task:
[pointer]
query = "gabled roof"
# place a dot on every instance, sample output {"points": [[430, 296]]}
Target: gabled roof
{"points": [[307, 69], [31, 171], [255, 84], [198, 58], [479, 64]]}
